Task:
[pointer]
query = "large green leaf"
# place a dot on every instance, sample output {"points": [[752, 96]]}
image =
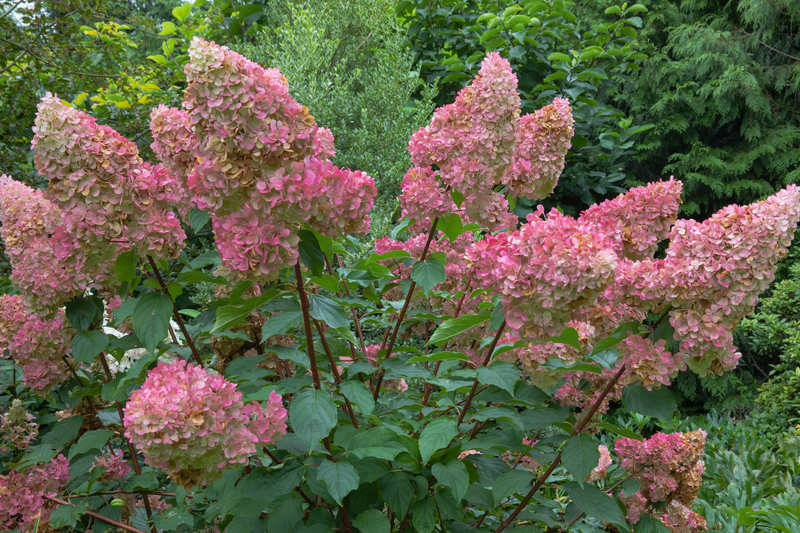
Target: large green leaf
{"points": [[455, 326], [67, 515], [231, 315], [580, 455], [285, 518], [281, 323], [359, 394], [657, 402], [397, 490], [424, 517], [81, 312], [151, 319], [340, 477], [510, 483], [312, 415], [428, 274], [372, 521], [87, 345], [436, 436], [91, 440], [452, 474], [501, 374], [325, 309], [125, 266], [595, 503]]}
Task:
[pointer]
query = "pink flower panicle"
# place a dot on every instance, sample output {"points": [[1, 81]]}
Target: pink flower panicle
{"points": [[424, 198], [103, 188], [174, 141], [194, 425], [543, 271], [261, 164], [715, 270], [669, 468], [115, 466], [46, 272], [17, 429], [472, 140], [649, 363], [638, 219], [35, 343], [543, 139], [23, 495]]}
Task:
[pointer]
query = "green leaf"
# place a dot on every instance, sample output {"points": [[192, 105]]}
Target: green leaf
{"points": [[281, 323], [558, 56], [595, 503], [151, 319], [613, 10], [457, 197], [451, 225], [87, 345], [428, 274], [67, 515], [424, 515], [650, 524], [397, 490], [438, 356], [198, 219], [502, 414], [91, 440], [453, 474], [182, 11], [64, 431], [312, 415], [436, 436], [81, 312], [631, 486], [372, 521], [570, 337], [380, 442], [501, 374], [555, 76], [330, 312], [125, 266], [311, 253], [622, 432], [580, 456], [636, 8], [286, 518], [657, 403], [231, 315], [359, 394], [455, 326], [510, 483], [341, 478]]}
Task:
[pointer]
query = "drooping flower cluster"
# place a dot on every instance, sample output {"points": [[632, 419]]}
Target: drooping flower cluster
{"points": [[17, 429], [174, 142], [105, 191], [649, 363], [194, 425], [543, 139], [45, 268], [38, 344], [669, 469], [23, 494], [261, 167], [115, 466]]}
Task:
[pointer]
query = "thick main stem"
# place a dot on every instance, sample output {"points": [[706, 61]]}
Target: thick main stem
{"points": [[307, 323], [175, 313], [335, 371], [543, 479]]}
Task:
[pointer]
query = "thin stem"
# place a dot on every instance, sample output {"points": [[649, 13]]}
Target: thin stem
{"points": [[175, 313], [402, 314], [485, 362], [335, 370], [100, 517], [131, 449], [307, 322], [347, 292], [578, 429]]}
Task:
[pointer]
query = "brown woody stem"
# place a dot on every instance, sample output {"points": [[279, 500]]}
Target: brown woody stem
{"points": [[307, 323], [485, 362], [98, 516], [175, 313]]}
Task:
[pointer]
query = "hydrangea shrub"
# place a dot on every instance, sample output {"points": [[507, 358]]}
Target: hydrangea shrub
{"points": [[456, 379]]}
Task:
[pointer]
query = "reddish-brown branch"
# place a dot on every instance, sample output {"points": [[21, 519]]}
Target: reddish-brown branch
{"points": [[485, 362], [307, 323], [98, 516], [175, 312], [335, 370]]}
